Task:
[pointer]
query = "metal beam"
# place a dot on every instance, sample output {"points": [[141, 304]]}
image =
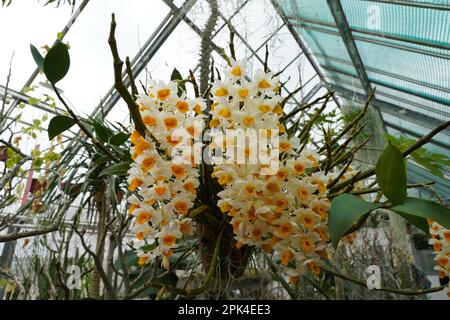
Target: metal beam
{"points": [[403, 100], [346, 34], [302, 46], [21, 97], [377, 42], [313, 91], [417, 174], [213, 45], [390, 86], [390, 108], [297, 38], [414, 4], [386, 73], [372, 33], [415, 134]]}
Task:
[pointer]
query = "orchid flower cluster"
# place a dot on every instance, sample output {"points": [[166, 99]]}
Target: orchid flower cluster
{"points": [[275, 195], [167, 189], [440, 240], [282, 210]]}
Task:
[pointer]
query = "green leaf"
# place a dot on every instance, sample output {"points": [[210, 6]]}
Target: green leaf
{"points": [[33, 101], [419, 222], [119, 139], [120, 169], [425, 209], [391, 175], [434, 162], [176, 76], [149, 247], [345, 212], [3, 282], [38, 58], [130, 259], [57, 63], [101, 131], [58, 125]]}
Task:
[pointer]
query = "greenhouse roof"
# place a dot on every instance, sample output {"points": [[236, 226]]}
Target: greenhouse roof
{"points": [[399, 48], [349, 46]]}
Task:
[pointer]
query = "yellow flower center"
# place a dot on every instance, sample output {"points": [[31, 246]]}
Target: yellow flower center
{"points": [[149, 121], [236, 71], [190, 187], [225, 207], [185, 228], [320, 211], [307, 222], [286, 257], [306, 244], [314, 268], [264, 108], [278, 110], [248, 121], [163, 94], [303, 193], [250, 190], [264, 84], [182, 106], [282, 174], [221, 92], [243, 93], [299, 168], [160, 190], [225, 112], [197, 109], [273, 187], [168, 240], [285, 146], [170, 123], [142, 260], [181, 206], [135, 183], [214, 123], [178, 171], [148, 164], [225, 179], [285, 230], [143, 217]]}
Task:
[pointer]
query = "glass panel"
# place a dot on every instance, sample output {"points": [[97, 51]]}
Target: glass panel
{"points": [[417, 128], [256, 22], [427, 69], [413, 103], [282, 49], [408, 22], [324, 43], [313, 10]]}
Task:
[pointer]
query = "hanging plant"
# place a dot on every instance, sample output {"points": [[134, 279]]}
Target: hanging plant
{"points": [[260, 181]]}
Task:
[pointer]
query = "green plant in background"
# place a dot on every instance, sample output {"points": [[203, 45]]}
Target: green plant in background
{"points": [[434, 162], [347, 211]]}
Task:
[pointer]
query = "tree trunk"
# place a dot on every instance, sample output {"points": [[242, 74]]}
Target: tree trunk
{"points": [[232, 261], [95, 285]]}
